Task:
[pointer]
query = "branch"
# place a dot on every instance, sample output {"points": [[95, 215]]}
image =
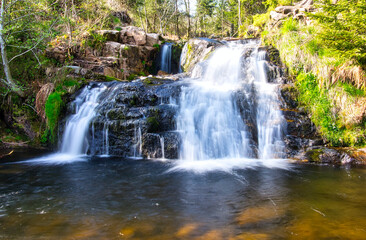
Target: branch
{"points": [[31, 49]]}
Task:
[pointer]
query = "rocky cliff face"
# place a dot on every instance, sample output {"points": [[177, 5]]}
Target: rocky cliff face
{"points": [[119, 54], [136, 119]]}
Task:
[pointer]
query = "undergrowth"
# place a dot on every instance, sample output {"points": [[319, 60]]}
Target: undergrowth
{"points": [[321, 75]]}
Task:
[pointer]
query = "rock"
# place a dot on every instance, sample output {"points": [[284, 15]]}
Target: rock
{"points": [[301, 132], [110, 35], [152, 39], [132, 35], [162, 73], [41, 99], [277, 16], [195, 51], [253, 31], [123, 17], [58, 53], [137, 114], [328, 156]]}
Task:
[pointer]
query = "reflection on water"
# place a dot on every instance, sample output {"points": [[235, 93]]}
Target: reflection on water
{"points": [[106, 198]]}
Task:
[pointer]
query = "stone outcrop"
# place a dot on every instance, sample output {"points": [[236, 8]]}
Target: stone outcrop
{"points": [[136, 115], [196, 50], [120, 54], [297, 12]]}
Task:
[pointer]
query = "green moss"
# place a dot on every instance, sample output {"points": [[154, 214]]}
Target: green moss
{"points": [[153, 124], [110, 78], [53, 108], [131, 77]]}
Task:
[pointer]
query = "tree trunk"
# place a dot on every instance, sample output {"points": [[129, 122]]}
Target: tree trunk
{"points": [[239, 14], [186, 3], [222, 18], [9, 80], [177, 19], [146, 21], [142, 23]]}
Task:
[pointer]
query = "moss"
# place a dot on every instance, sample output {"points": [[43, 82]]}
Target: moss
{"points": [[153, 124], [53, 108], [314, 155], [148, 81], [110, 78], [134, 100], [131, 77]]}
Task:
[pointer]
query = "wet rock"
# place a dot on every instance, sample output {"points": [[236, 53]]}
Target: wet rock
{"points": [[301, 132], [325, 155], [197, 50], [41, 99], [134, 115]]}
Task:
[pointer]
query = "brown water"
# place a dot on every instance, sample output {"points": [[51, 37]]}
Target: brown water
{"points": [[110, 198]]}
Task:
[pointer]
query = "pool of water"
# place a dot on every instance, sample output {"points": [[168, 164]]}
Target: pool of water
{"points": [[113, 198]]}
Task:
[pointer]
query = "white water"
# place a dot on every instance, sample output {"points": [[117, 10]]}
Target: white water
{"points": [[166, 57], [214, 135], [269, 116], [137, 147], [74, 142]]}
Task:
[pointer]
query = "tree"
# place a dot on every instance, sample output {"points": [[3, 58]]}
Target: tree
{"points": [[22, 33], [343, 26]]}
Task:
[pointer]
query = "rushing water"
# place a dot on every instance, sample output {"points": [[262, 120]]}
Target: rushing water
{"points": [[74, 138], [210, 121], [109, 198], [166, 57]]}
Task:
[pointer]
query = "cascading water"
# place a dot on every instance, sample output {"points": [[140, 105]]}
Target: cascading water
{"points": [[214, 134], [209, 119], [74, 141], [166, 57], [269, 116]]}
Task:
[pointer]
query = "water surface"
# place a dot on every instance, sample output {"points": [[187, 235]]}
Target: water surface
{"points": [[113, 198]]}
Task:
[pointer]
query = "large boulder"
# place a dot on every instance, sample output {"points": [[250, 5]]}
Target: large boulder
{"points": [[197, 50], [152, 39], [133, 35]]}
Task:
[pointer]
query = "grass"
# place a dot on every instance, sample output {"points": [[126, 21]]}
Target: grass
{"points": [[324, 80]]}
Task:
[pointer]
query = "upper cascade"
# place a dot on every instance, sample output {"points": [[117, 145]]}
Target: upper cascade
{"points": [[231, 111]]}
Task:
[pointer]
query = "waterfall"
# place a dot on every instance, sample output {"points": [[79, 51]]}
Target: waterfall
{"points": [[162, 147], [137, 146], [166, 57], [74, 141], [210, 122], [269, 116], [209, 119]]}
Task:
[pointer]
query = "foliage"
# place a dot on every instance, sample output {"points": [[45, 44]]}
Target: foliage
{"points": [[343, 27], [96, 40], [315, 100]]}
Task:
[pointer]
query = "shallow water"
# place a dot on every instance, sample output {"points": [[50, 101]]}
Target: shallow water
{"points": [[111, 198]]}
